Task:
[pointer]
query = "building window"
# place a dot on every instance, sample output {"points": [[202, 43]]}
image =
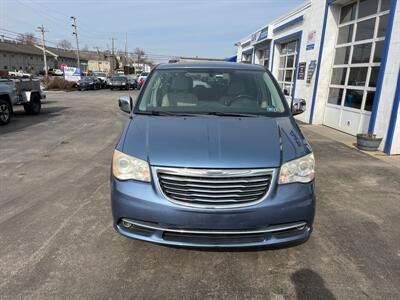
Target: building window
{"points": [[287, 66], [358, 54], [4, 55], [266, 57], [247, 57]]}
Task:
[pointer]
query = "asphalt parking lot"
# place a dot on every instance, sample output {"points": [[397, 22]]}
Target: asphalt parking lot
{"points": [[57, 240]]}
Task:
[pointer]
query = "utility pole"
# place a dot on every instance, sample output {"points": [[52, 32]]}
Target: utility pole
{"points": [[41, 29], [98, 58], [75, 32], [126, 49], [112, 57]]}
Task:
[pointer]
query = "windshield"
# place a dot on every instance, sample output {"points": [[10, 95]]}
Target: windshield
{"points": [[101, 74], [119, 78], [208, 91], [87, 78]]}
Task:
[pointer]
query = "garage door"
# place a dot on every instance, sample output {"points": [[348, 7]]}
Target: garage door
{"points": [[358, 53]]}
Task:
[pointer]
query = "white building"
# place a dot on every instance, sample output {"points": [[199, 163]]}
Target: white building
{"points": [[343, 57]]}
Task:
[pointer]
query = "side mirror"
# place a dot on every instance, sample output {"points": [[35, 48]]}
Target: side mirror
{"points": [[125, 103], [298, 106]]}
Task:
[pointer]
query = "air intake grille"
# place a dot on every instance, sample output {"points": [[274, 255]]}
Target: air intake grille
{"points": [[214, 188]]}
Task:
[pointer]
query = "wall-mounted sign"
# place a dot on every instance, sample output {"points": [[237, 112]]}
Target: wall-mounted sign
{"points": [[311, 40], [259, 35], [263, 34], [254, 37], [311, 69], [302, 71], [72, 74]]}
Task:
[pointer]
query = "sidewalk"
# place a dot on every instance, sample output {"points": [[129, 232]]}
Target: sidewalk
{"points": [[350, 141]]}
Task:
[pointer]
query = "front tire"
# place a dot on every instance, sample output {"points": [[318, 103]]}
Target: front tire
{"points": [[34, 106], [5, 112]]}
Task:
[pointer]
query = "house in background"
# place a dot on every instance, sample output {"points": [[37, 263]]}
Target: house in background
{"points": [[97, 61], [15, 56]]}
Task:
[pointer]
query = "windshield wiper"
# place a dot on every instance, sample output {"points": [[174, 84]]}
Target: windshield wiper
{"points": [[231, 114], [194, 114], [161, 113]]}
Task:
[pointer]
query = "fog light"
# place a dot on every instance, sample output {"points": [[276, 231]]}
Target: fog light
{"points": [[126, 224]]}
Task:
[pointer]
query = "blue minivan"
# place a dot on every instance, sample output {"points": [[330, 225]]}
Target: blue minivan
{"points": [[211, 156]]}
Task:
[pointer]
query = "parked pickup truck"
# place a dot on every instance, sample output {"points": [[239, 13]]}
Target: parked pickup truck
{"points": [[24, 92]]}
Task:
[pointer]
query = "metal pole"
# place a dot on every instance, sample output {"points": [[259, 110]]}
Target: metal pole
{"points": [[41, 29], [98, 58], [75, 32], [112, 58], [126, 50]]}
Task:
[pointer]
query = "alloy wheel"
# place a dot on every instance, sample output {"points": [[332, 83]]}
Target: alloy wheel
{"points": [[4, 112]]}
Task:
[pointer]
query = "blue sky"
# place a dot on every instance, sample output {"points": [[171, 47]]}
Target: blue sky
{"points": [[207, 28]]}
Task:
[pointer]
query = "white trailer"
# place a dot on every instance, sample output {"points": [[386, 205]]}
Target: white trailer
{"points": [[24, 92]]}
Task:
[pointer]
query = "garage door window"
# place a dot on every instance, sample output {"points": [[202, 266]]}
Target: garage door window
{"points": [[358, 54], [287, 66]]}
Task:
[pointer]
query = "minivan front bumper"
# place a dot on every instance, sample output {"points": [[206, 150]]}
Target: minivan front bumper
{"points": [[140, 211]]}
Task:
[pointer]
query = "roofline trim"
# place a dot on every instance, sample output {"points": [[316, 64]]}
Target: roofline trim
{"points": [[291, 13]]}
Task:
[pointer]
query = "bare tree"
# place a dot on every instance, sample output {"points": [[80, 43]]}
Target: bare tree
{"points": [[27, 38], [64, 44], [139, 53], [148, 61]]}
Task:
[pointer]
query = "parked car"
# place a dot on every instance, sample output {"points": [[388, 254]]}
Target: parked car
{"points": [[19, 74], [132, 82], [56, 72], [89, 83], [142, 78], [226, 168], [119, 82], [102, 77]]}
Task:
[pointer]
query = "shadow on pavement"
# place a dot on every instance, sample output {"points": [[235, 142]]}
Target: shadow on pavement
{"points": [[310, 285], [20, 120]]}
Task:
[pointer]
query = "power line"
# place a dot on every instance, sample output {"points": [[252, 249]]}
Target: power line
{"points": [[13, 35], [18, 34]]}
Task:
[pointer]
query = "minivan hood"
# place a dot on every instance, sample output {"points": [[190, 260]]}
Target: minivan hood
{"points": [[212, 141]]}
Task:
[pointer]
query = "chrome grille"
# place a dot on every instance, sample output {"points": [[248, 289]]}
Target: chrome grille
{"points": [[214, 188]]}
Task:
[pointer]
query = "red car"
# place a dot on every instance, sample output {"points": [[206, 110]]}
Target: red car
{"points": [[142, 79]]}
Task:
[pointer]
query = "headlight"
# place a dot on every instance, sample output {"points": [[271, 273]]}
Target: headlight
{"points": [[126, 167], [298, 170], [123, 83]]}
